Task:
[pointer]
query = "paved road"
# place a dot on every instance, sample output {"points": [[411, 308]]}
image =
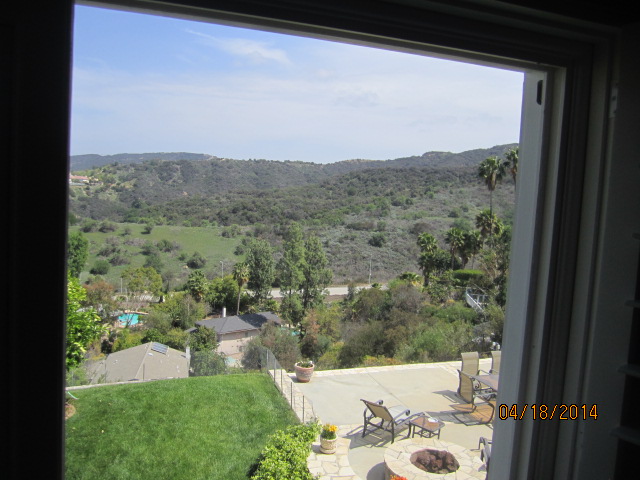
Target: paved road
{"points": [[338, 290]]}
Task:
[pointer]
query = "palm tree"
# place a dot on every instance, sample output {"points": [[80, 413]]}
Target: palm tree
{"points": [[410, 277], [427, 243], [488, 224], [241, 275], [455, 239], [492, 170], [472, 246], [511, 162]]}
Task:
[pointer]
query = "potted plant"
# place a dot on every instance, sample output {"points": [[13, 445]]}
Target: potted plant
{"points": [[328, 438], [304, 370]]}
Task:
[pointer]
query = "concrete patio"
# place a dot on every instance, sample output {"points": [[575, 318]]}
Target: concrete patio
{"points": [[430, 388]]}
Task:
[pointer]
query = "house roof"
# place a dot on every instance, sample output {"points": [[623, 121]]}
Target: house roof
{"points": [[150, 361], [239, 323]]}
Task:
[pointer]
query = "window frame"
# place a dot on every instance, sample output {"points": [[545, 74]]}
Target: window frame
{"points": [[549, 347]]}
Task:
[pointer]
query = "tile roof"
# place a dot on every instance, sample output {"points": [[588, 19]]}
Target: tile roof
{"points": [[241, 323]]}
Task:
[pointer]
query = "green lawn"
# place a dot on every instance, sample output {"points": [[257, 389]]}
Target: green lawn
{"points": [[195, 428], [205, 240]]}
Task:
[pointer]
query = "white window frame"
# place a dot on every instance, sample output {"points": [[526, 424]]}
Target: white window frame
{"points": [[555, 307]]}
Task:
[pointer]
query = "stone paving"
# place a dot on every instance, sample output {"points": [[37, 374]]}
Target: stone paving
{"points": [[358, 458], [397, 459], [300, 405]]}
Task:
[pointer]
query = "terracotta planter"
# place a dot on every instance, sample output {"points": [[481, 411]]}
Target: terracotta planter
{"points": [[303, 374], [328, 446]]}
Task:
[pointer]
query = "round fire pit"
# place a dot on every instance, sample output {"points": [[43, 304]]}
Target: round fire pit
{"points": [[431, 459], [434, 461]]}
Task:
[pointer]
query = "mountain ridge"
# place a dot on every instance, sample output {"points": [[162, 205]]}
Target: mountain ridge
{"points": [[430, 158]]}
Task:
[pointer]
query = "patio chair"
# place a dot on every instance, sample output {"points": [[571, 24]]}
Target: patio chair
{"points": [[484, 445], [470, 394], [495, 361], [396, 417], [470, 363], [470, 366]]}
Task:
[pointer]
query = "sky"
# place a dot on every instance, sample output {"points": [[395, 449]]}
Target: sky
{"points": [[145, 84]]}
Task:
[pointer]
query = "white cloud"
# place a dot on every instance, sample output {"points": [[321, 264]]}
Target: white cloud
{"points": [[332, 102], [250, 50]]}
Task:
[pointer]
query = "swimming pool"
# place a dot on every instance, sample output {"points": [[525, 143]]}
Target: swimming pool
{"points": [[128, 318]]}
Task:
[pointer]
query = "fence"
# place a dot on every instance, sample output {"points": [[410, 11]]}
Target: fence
{"points": [[300, 405]]}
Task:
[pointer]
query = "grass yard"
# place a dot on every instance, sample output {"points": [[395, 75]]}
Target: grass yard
{"points": [[195, 428], [207, 241]]}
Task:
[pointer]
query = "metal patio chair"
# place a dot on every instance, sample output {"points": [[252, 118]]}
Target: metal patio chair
{"points": [[395, 417]]}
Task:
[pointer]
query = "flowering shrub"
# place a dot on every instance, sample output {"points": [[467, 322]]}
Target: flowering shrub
{"points": [[329, 431], [305, 364]]}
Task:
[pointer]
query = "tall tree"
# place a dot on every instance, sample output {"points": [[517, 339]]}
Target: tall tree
{"points": [[492, 170], [143, 280], [472, 246], [83, 324], [511, 163], [261, 269], [427, 243], [290, 272], [455, 239], [77, 253], [316, 275], [488, 224], [290, 265], [197, 285], [428, 252], [241, 276]]}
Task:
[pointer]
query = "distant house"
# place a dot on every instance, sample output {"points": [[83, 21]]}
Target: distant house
{"points": [[150, 361], [79, 180], [234, 332]]}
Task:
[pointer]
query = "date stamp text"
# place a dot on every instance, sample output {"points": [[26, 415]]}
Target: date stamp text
{"points": [[543, 411]]}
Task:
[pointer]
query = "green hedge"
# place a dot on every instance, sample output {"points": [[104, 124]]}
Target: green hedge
{"points": [[285, 455], [464, 277]]}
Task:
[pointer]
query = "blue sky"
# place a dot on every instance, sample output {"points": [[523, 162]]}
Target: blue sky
{"points": [[154, 84]]}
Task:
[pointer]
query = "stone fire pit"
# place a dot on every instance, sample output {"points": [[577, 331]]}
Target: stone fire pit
{"points": [[400, 459]]}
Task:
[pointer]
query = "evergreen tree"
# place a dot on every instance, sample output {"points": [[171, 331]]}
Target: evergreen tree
{"points": [[316, 275], [241, 276], [77, 253], [261, 269]]}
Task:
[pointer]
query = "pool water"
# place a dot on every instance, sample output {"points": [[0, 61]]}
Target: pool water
{"points": [[131, 318]]}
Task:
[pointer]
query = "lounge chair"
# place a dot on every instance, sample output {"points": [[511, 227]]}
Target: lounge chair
{"points": [[470, 394], [395, 417]]}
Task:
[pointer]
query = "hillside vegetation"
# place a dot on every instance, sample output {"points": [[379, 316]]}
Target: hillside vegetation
{"points": [[367, 214]]}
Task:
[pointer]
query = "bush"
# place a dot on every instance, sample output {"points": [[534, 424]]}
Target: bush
{"points": [[465, 277], [196, 260], [127, 339], [330, 360], [286, 452], [101, 267], [119, 259], [208, 363], [378, 240]]}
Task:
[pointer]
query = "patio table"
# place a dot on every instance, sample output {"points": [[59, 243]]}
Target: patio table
{"points": [[490, 381], [427, 426]]}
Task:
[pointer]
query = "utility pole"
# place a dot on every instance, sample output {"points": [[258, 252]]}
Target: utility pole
{"points": [[369, 270], [222, 263]]}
